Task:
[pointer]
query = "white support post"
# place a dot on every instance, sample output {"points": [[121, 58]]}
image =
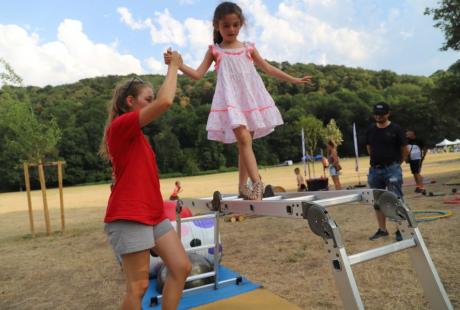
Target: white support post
{"points": [[344, 278], [426, 272], [216, 250]]}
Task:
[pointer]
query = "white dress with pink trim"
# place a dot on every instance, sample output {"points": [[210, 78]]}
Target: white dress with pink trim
{"points": [[240, 97]]}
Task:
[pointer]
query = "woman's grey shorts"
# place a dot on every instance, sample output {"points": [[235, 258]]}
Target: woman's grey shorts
{"points": [[130, 237]]}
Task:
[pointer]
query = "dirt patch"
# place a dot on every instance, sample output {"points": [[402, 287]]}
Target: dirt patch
{"points": [[77, 270]]}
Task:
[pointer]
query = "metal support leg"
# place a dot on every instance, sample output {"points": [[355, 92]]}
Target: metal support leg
{"points": [[420, 257], [324, 226], [344, 278], [216, 250], [426, 271]]}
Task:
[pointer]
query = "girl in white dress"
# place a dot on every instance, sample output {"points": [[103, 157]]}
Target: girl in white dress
{"points": [[242, 109]]}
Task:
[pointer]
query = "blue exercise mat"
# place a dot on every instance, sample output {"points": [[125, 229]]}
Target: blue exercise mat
{"points": [[201, 298]]}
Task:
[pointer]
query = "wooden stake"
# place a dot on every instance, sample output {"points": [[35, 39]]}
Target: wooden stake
{"points": [[29, 198], [41, 175], [61, 195]]}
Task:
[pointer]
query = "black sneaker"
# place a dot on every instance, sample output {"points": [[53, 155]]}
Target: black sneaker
{"points": [[398, 235], [418, 190], [380, 233]]}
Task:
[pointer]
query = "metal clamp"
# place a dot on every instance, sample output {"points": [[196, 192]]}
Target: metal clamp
{"points": [[216, 201], [179, 206], [322, 224], [394, 208]]}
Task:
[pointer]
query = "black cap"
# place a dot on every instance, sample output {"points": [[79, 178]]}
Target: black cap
{"points": [[381, 108]]}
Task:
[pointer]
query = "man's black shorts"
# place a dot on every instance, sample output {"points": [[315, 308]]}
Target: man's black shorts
{"points": [[415, 166]]}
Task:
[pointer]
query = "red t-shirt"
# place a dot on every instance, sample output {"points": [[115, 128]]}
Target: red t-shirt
{"points": [[136, 195]]}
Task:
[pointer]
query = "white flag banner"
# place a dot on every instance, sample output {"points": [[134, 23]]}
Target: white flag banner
{"points": [[303, 144], [303, 152], [355, 139]]}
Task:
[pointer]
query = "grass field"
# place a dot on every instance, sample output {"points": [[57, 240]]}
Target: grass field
{"points": [[76, 270]]}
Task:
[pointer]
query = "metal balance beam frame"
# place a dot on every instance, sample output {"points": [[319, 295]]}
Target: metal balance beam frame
{"points": [[215, 273], [312, 206]]}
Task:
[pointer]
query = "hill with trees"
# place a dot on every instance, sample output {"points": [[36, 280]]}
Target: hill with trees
{"points": [[67, 120]]}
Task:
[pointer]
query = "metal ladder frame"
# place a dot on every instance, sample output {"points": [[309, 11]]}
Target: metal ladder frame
{"points": [[312, 206]]}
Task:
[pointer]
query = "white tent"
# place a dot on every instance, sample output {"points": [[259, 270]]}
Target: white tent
{"points": [[457, 141], [445, 142]]}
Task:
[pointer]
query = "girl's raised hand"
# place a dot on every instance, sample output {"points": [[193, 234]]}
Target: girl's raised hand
{"points": [[176, 59], [171, 57], [167, 56], [303, 80]]}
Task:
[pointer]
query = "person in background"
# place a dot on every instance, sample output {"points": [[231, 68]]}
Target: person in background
{"points": [[301, 186], [417, 153], [334, 165], [176, 191], [387, 148]]}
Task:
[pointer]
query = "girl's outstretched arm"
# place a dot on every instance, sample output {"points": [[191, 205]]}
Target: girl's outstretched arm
{"points": [[166, 93], [277, 73], [197, 73]]}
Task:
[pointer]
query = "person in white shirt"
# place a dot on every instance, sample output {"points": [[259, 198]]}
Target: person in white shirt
{"points": [[417, 153]]}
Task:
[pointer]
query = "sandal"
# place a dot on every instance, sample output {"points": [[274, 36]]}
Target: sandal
{"points": [[243, 191], [257, 191]]}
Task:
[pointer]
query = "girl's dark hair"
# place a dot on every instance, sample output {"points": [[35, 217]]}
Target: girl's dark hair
{"points": [[331, 143], [118, 106], [221, 10]]}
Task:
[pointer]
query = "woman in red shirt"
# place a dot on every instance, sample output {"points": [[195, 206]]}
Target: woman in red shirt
{"points": [[135, 219]]}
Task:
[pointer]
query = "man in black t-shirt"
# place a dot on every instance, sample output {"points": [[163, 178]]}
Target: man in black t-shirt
{"points": [[387, 147], [417, 153]]}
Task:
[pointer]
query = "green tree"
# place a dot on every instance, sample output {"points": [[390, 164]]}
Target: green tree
{"points": [[7, 74], [24, 137], [168, 152], [27, 137], [332, 133], [447, 18], [313, 131], [445, 99]]}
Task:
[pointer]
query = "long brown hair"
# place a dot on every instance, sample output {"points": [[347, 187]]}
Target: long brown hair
{"points": [[118, 106], [221, 10]]}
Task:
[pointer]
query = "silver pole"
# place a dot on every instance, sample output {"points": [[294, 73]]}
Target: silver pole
{"points": [[216, 250], [200, 276], [178, 224], [426, 272], [381, 251], [303, 153], [338, 200], [198, 217]]}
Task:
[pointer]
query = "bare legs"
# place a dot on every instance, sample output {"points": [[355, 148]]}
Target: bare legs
{"points": [[247, 160], [336, 181], [418, 180], [381, 220], [247, 163], [242, 171], [136, 268], [171, 251]]}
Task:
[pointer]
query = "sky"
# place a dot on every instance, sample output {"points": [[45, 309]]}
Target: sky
{"points": [[53, 42]]}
